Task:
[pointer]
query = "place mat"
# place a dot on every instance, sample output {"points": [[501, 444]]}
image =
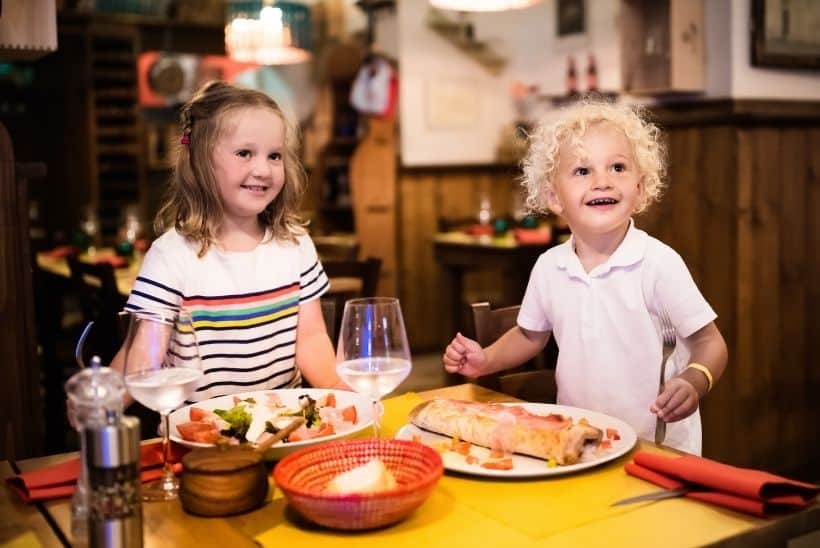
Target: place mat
{"points": [[522, 504], [562, 511]]}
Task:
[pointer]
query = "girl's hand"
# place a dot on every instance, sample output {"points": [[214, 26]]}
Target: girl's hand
{"points": [[464, 356], [678, 400]]}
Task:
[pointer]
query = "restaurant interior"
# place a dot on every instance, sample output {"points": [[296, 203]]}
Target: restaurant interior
{"points": [[413, 117]]}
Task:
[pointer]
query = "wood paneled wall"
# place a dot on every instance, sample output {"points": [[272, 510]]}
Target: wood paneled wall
{"points": [[743, 209], [427, 197]]}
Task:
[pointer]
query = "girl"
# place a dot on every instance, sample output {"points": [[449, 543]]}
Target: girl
{"points": [[234, 252], [602, 291]]}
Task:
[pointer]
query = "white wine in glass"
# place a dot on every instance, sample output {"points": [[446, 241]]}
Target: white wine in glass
{"points": [[373, 356], [162, 369]]}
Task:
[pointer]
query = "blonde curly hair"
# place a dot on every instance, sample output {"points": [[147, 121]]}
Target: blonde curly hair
{"points": [[541, 162], [192, 203]]}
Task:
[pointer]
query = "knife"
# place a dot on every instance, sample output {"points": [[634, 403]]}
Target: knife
{"points": [[655, 495]]}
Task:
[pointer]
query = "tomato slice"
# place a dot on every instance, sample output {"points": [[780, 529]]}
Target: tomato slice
{"points": [[330, 400], [197, 414], [503, 464], [612, 433], [349, 414], [198, 431]]}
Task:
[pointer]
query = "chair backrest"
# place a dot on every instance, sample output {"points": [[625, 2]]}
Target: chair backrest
{"points": [[335, 248], [95, 287], [366, 271], [527, 382]]}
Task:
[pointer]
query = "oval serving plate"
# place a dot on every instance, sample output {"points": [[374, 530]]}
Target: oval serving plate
{"points": [[525, 466], [261, 413]]}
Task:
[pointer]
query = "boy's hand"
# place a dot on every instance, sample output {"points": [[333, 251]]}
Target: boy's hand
{"points": [[464, 356], [678, 400]]}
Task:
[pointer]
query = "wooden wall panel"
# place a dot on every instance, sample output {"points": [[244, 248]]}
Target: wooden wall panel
{"points": [[810, 425], [419, 278], [791, 380], [713, 266]]}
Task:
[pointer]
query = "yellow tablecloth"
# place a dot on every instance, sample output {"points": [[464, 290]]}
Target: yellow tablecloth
{"points": [[570, 510]]}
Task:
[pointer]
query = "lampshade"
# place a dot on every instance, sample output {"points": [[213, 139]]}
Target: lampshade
{"points": [[267, 32], [482, 5]]}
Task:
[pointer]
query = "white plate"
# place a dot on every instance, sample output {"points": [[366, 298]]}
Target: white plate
{"points": [[524, 466], [261, 413]]}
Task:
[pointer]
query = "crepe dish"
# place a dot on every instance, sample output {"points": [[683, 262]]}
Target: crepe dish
{"points": [[517, 439]]}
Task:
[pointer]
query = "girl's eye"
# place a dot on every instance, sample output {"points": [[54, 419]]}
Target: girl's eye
{"points": [[276, 156], [619, 168], [243, 153], [580, 171]]}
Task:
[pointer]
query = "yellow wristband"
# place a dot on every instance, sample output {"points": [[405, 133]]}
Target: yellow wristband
{"points": [[705, 370]]}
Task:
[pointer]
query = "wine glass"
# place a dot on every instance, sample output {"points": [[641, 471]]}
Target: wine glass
{"points": [[373, 356], [162, 368]]}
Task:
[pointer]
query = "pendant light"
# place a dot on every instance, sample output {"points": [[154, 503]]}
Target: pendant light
{"points": [[268, 32], [482, 5]]}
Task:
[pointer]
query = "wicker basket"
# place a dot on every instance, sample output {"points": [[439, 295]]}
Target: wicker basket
{"points": [[303, 476]]}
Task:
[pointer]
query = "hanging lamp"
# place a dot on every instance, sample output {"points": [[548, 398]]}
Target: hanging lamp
{"points": [[482, 5], [268, 32]]}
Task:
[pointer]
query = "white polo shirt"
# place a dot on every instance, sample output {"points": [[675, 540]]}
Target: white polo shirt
{"points": [[605, 324]]}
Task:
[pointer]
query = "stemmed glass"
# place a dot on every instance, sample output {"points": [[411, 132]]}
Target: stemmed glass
{"points": [[162, 368], [373, 356]]}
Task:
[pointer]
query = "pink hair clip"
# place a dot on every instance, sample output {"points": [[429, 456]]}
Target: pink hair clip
{"points": [[185, 140]]}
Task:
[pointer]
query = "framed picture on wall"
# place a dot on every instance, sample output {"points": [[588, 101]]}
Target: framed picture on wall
{"points": [[784, 33], [570, 17]]}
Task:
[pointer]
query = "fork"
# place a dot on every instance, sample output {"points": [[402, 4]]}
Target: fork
{"points": [[669, 340]]}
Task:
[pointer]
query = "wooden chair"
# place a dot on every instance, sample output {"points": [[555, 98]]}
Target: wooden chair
{"points": [[95, 287], [527, 382], [335, 248]]}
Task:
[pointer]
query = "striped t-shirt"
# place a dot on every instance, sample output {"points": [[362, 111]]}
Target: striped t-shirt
{"points": [[244, 306]]}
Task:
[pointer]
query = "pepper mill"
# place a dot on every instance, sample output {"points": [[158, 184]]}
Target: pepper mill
{"points": [[114, 501], [95, 394]]}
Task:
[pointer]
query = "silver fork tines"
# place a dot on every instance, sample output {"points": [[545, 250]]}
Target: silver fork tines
{"points": [[669, 339]]}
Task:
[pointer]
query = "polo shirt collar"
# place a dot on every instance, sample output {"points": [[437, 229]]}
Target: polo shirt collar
{"points": [[630, 251]]}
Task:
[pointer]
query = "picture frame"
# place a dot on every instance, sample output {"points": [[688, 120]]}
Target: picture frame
{"points": [[570, 18], [783, 33]]}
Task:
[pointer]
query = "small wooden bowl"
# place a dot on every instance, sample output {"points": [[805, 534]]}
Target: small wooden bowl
{"points": [[221, 481]]}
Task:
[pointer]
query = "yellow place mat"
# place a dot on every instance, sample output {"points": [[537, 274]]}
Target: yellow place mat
{"points": [[24, 540], [569, 510]]}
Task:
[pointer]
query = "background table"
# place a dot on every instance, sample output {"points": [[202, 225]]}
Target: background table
{"points": [[459, 253]]}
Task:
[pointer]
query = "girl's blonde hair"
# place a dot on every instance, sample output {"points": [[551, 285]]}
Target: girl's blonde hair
{"points": [[192, 203], [541, 162]]}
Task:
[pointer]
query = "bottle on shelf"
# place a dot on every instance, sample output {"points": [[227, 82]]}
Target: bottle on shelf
{"points": [[592, 74], [572, 77]]}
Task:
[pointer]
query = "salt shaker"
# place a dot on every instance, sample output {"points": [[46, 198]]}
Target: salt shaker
{"points": [[114, 501], [96, 396]]}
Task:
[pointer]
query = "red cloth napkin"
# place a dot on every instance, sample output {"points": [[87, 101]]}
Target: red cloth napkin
{"points": [[751, 491], [57, 481], [60, 252], [114, 260], [532, 235]]}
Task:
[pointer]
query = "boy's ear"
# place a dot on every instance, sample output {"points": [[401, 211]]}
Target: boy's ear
{"points": [[553, 202]]}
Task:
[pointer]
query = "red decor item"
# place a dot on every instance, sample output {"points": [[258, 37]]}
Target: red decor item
{"points": [[58, 481], [743, 489]]}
